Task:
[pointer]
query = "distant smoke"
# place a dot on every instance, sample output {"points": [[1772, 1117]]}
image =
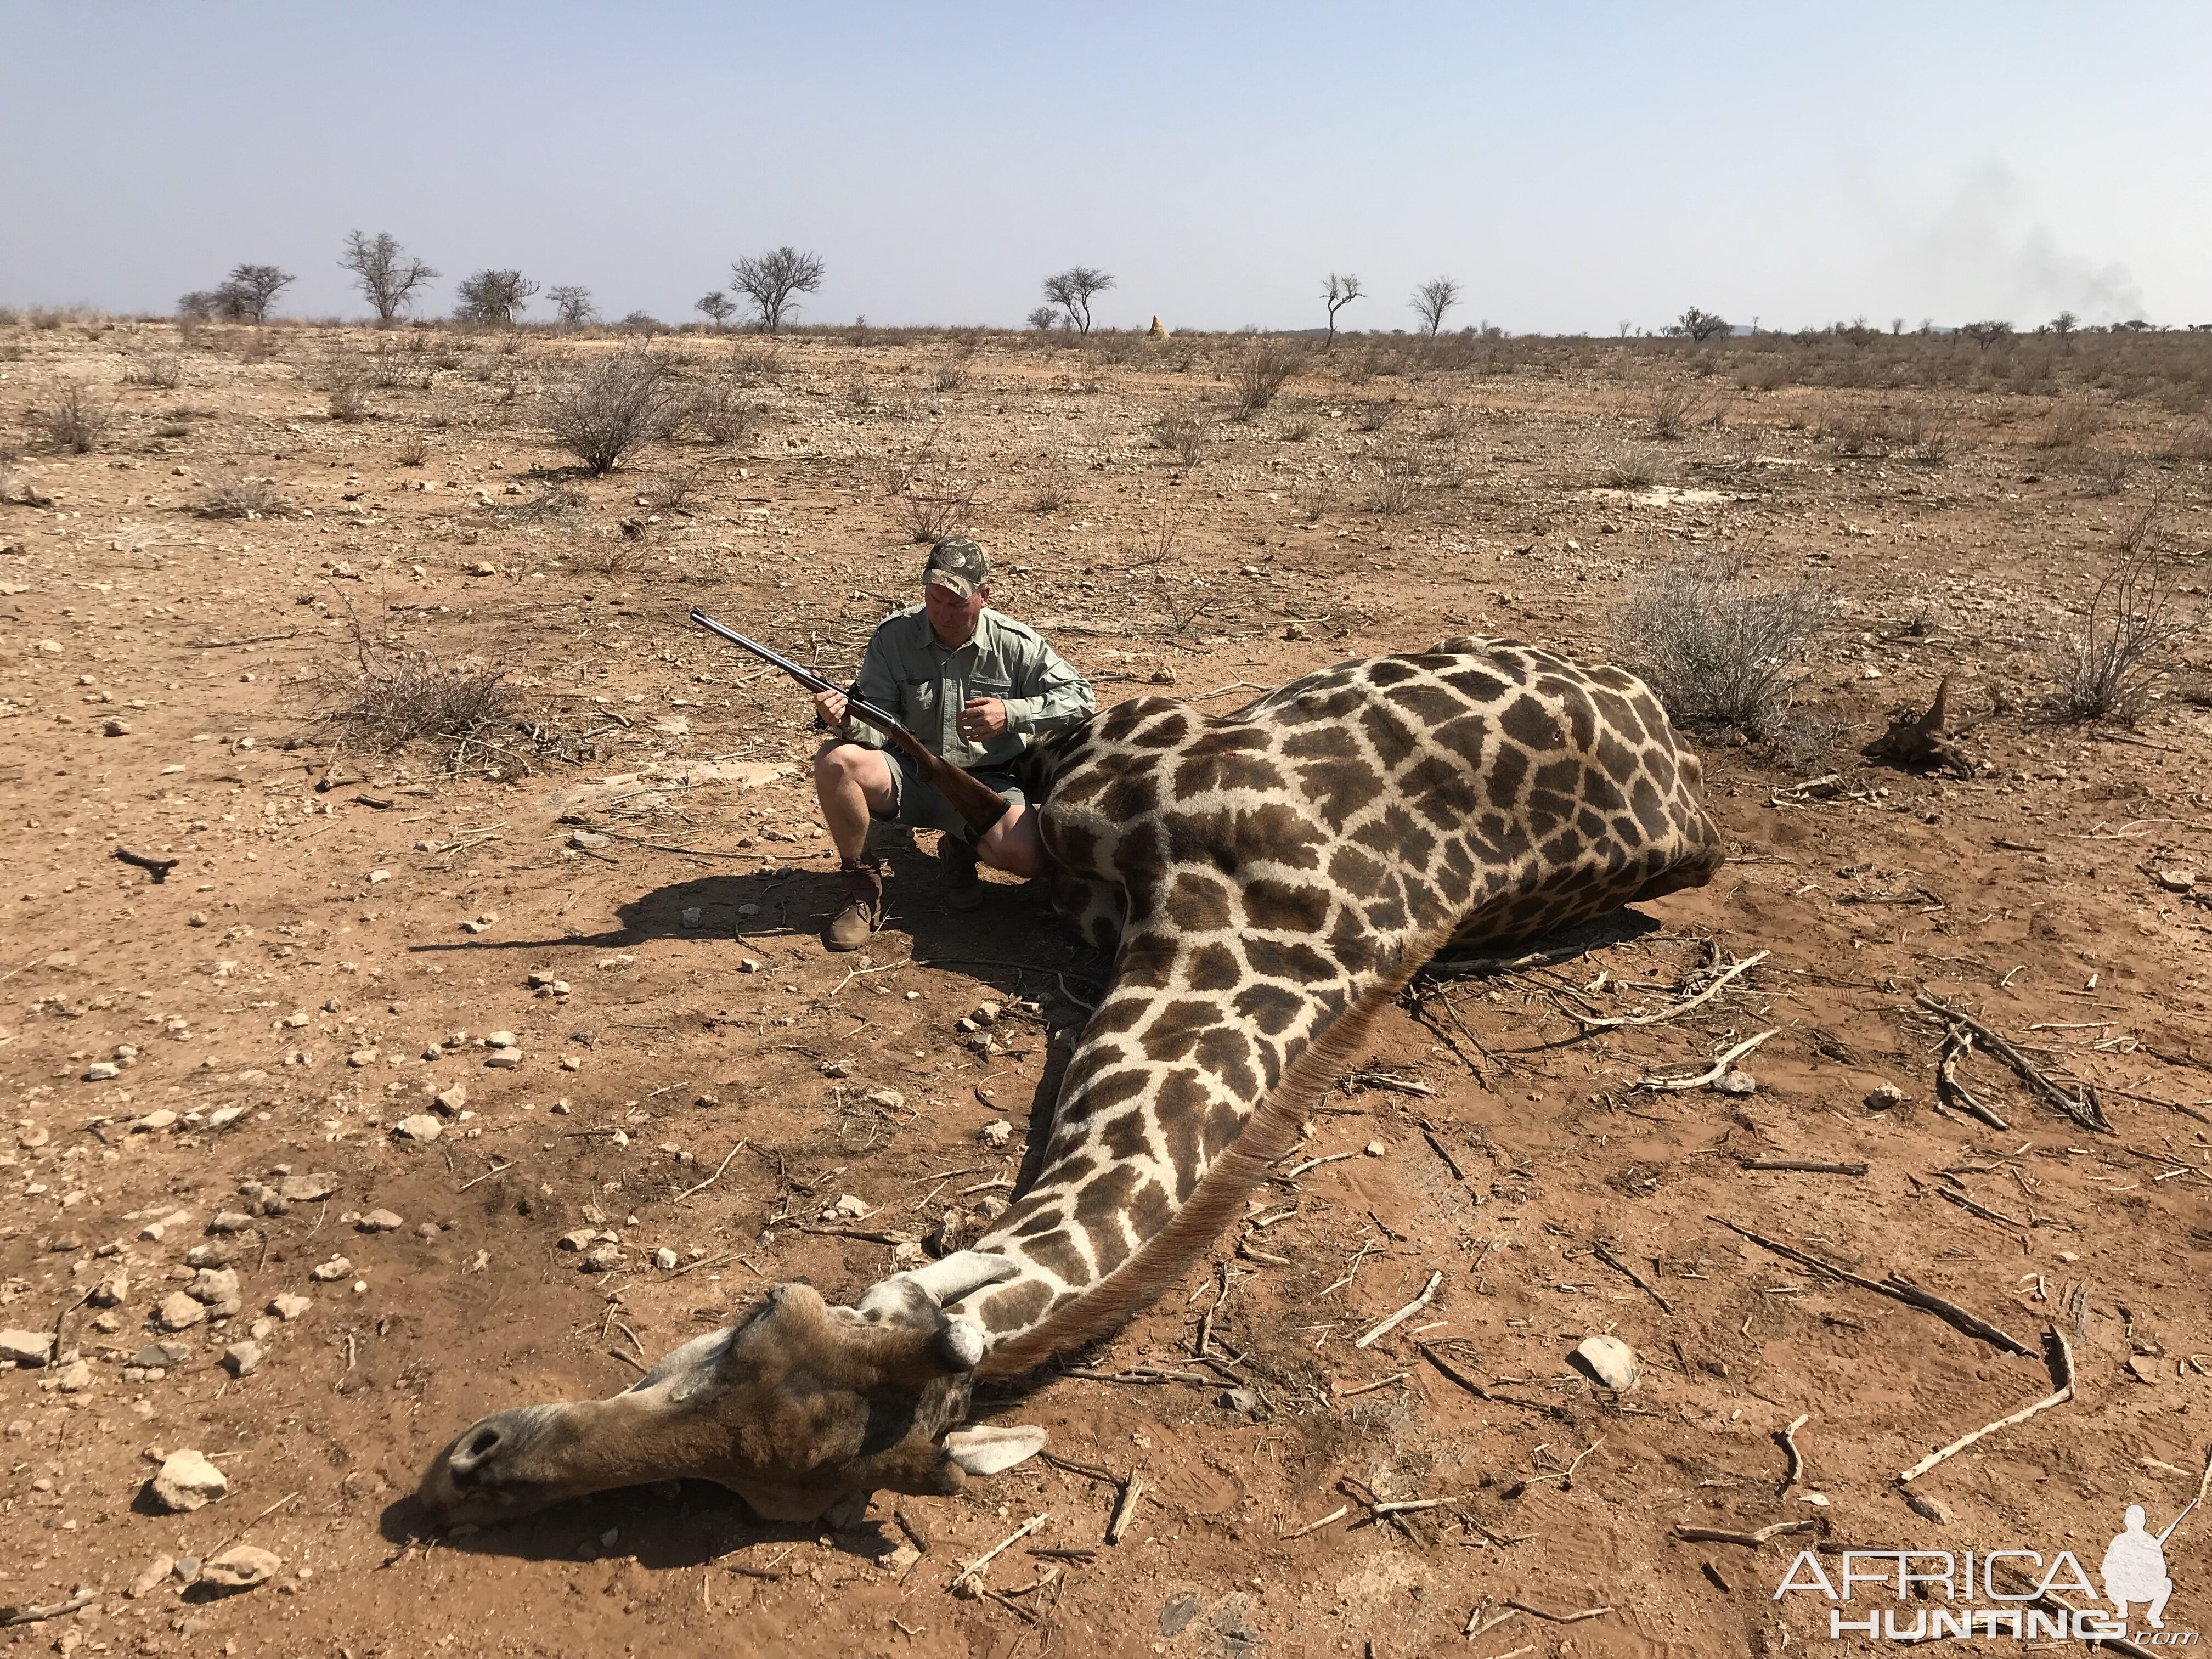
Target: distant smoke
{"points": [[1973, 262]]}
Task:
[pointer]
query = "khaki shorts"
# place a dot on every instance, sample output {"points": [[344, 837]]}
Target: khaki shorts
{"points": [[918, 803]]}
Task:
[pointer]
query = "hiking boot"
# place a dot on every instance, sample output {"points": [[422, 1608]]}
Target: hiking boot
{"points": [[964, 888], [863, 907]]}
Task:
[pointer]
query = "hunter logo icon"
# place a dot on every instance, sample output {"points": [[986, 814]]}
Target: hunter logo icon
{"points": [[2134, 1568]]}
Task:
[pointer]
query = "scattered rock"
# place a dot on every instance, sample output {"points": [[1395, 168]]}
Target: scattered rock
{"points": [[114, 728], [2144, 1369], [336, 1268], [586, 839], [748, 965], [215, 1287], [664, 1258], [230, 1221], [849, 1208], [1609, 1360], [1735, 1083], [288, 1307], [243, 1358], [151, 1577], [241, 1567], [179, 1312], [1928, 1507], [995, 1134], [603, 1258], [25, 1348], [502, 1040], [112, 1290], [1883, 1098], [306, 1189], [2177, 881], [380, 1221], [450, 1101], [421, 1127], [187, 1481], [102, 1072], [579, 1240], [162, 1356], [503, 1060], [1238, 1399], [693, 916], [1376, 1149]]}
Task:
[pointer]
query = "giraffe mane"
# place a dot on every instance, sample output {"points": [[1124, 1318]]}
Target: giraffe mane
{"points": [[1272, 1130]]}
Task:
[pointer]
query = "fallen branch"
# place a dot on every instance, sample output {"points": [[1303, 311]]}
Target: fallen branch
{"points": [[1981, 1210], [1427, 1295], [1631, 1274], [1788, 1436], [713, 1178], [157, 868], [1804, 1166], [1591, 1023], [970, 1574], [1717, 1071], [2082, 1107], [1957, 1045], [1557, 1618], [1125, 1508], [1452, 1373], [2058, 1354], [1896, 1288], [1398, 1085], [1750, 1540], [32, 1615], [1334, 1514]]}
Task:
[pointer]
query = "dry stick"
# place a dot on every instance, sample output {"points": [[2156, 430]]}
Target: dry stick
{"points": [[1803, 1166], [713, 1178], [1952, 1092], [1334, 1514], [1718, 1069], [32, 1615], [1788, 1439], [1750, 1540], [497, 1168], [1125, 1508], [1896, 1288], [1296, 1171], [1369, 1387], [1558, 1617], [1453, 1373], [2082, 1108], [1437, 1147], [1589, 1023], [1633, 1276], [2059, 1355], [1473, 1630], [969, 1572], [1427, 1295], [1981, 1210]]}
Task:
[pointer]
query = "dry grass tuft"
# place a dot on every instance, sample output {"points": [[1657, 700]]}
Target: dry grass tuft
{"points": [[1721, 654], [2128, 640], [602, 409], [392, 698], [241, 496], [75, 417]]}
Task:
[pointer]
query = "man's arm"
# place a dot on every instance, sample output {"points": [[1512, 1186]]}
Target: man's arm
{"points": [[1054, 696], [877, 684]]}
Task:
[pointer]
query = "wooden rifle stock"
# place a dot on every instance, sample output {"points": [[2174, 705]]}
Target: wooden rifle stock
{"points": [[980, 805]]}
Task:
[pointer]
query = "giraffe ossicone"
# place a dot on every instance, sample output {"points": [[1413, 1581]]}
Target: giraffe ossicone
{"points": [[1266, 882]]}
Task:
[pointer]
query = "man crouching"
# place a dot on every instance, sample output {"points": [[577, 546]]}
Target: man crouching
{"points": [[975, 686]]}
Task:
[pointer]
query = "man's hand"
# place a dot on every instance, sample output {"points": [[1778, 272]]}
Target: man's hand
{"points": [[830, 707], [982, 719]]}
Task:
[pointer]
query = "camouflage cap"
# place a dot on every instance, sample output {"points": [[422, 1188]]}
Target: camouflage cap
{"points": [[957, 564]]}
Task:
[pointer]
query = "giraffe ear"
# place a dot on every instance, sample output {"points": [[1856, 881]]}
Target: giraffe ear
{"points": [[991, 1450]]}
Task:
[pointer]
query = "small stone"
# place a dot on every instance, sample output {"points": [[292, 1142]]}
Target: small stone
{"points": [[996, 1134], [155, 1123], [987, 1014], [503, 1060], [664, 1258], [586, 839], [1609, 1360], [102, 1071], [450, 1101], [836, 1068], [198, 919], [890, 1099], [179, 1312], [329, 1271], [1238, 1399], [214, 1287], [1735, 1083], [114, 728], [27, 1348], [603, 1258], [208, 1255], [288, 1307], [2144, 1369], [187, 1481], [306, 1189], [748, 965], [1376, 1149], [579, 1240], [151, 1577], [1881, 1099], [112, 1290], [1929, 1509], [749, 909], [2177, 881], [428, 1230], [162, 1356], [241, 1567], [848, 1207], [243, 1358], [380, 1221], [362, 1058], [230, 1221], [693, 916], [73, 1378], [502, 1040], [421, 1127], [572, 1062]]}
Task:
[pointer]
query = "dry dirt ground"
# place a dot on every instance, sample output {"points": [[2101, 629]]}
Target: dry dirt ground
{"points": [[341, 928]]}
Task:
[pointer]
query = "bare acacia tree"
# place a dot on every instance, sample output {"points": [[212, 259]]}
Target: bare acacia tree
{"points": [[1073, 289], [492, 297], [384, 272], [1700, 325], [1431, 301], [718, 307], [771, 279], [1340, 292], [244, 295], [572, 305], [1043, 319], [1987, 333]]}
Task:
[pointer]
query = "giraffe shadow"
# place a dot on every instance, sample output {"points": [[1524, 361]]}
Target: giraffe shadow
{"points": [[672, 1524]]}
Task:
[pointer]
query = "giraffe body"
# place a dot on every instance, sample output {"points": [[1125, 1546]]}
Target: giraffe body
{"points": [[1266, 881]]}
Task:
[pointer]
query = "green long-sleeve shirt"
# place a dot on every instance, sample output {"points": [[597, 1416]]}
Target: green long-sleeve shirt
{"points": [[906, 672]]}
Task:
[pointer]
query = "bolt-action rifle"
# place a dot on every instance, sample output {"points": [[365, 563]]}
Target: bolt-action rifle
{"points": [[978, 804]]}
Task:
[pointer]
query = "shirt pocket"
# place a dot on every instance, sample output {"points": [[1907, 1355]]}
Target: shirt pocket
{"points": [[987, 685], [917, 700]]}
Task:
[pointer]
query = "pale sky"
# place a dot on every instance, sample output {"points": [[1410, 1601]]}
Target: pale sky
{"points": [[1573, 166]]}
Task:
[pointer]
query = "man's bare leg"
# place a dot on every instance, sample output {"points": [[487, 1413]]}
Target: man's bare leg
{"points": [[850, 779], [1012, 844]]}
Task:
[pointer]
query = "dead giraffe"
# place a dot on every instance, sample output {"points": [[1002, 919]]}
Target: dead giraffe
{"points": [[1267, 882]]}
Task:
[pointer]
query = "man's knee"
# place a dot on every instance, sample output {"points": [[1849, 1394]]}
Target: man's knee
{"points": [[1014, 845]]}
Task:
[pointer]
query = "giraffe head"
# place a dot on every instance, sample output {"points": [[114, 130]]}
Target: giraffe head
{"points": [[798, 1407]]}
